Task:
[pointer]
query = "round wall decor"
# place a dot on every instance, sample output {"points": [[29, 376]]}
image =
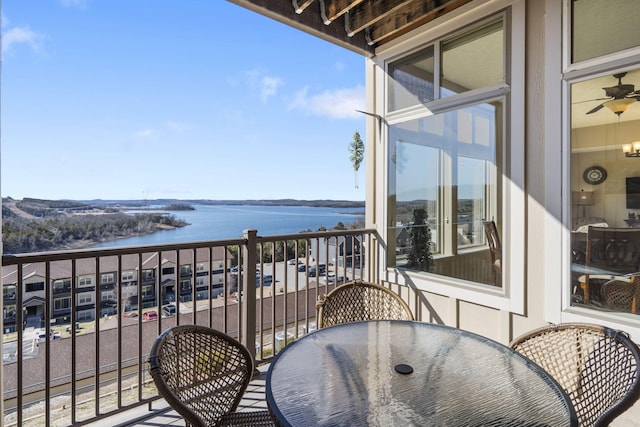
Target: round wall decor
{"points": [[594, 175]]}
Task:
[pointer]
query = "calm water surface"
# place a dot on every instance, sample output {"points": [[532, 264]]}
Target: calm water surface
{"points": [[228, 222]]}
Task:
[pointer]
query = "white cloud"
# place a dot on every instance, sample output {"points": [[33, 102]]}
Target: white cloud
{"points": [[178, 126], [145, 135], [336, 104], [20, 36], [269, 86], [266, 85]]}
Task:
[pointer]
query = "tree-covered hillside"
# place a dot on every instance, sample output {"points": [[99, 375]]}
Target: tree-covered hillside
{"points": [[36, 225]]}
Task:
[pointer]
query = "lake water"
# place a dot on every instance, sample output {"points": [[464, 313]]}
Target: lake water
{"points": [[228, 222]]}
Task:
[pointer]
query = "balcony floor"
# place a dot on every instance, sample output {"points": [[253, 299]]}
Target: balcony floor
{"points": [[163, 415]]}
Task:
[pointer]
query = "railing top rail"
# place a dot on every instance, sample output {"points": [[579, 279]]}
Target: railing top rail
{"points": [[15, 259], [315, 234], [61, 255]]}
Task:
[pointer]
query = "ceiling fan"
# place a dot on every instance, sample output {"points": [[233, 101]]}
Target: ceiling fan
{"points": [[620, 97]]}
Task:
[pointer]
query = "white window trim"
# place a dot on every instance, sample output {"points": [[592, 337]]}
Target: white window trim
{"points": [[511, 296]]}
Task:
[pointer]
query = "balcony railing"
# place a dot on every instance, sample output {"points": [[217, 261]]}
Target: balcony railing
{"points": [[72, 359]]}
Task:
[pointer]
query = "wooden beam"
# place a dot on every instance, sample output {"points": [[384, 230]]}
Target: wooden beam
{"points": [[367, 14], [299, 6], [333, 9], [283, 11], [412, 16]]}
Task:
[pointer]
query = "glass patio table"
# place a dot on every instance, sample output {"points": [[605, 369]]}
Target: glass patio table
{"points": [[405, 373]]}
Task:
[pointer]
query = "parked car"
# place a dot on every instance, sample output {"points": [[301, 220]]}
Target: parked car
{"points": [[150, 315], [42, 335], [266, 280], [78, 327], [168, 310], [302, 267], [312, 271]]}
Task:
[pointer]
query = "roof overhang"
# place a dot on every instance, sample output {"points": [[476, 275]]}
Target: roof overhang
{"points": [[358, 25]]}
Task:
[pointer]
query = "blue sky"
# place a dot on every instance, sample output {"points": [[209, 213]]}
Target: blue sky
{"points": [[132, 99]]}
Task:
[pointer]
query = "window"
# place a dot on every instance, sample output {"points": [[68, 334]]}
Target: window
{"points": [[34, 287], [185, 285], [85, 298], [85, 281], [600, 218], [200, 267], [9, 312], [594, 37], [107, 278], [62, 303], [185, 270], [61, 285], [147, 291], [202, 281], [444, 166], [128, 276], [9, 292], [411, 80], [85, 316], [148, 275], [168, 270]]}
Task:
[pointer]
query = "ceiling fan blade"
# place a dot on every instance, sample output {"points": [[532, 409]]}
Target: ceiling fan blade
{"points": [[593, 110], [591, 100]]}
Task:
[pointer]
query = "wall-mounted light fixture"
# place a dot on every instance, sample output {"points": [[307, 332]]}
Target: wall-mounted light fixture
{"points": [[631, 150]]}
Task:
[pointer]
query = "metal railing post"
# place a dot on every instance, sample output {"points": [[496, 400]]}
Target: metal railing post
{"points": [[247, 294]]}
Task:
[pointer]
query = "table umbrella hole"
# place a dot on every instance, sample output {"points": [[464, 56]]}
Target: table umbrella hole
{"points": [[403, 369]]}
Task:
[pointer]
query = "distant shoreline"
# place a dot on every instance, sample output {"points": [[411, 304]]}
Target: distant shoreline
{"points": [[246, 202]]}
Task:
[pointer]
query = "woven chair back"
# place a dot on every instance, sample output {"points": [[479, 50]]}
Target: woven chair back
{"points": [[613, 249], [597, 366], [359, 301], [622, 295], [202, 373]]}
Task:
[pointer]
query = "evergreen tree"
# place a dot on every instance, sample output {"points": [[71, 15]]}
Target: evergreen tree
{"points": [[420, 257], [356, 148]]}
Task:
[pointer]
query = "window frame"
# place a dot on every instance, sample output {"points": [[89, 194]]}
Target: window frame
{"points": [[558, 165], [512, 295]]}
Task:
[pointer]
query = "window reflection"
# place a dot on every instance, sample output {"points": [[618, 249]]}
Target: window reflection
{"points": [[411, 80], [442, 185], [605, 222]]}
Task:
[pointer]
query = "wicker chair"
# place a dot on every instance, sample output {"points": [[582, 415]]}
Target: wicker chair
{"points": [[614, 250], [495, 249], [202, 373], [622, 294], [597, 366], [356, 301]]}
